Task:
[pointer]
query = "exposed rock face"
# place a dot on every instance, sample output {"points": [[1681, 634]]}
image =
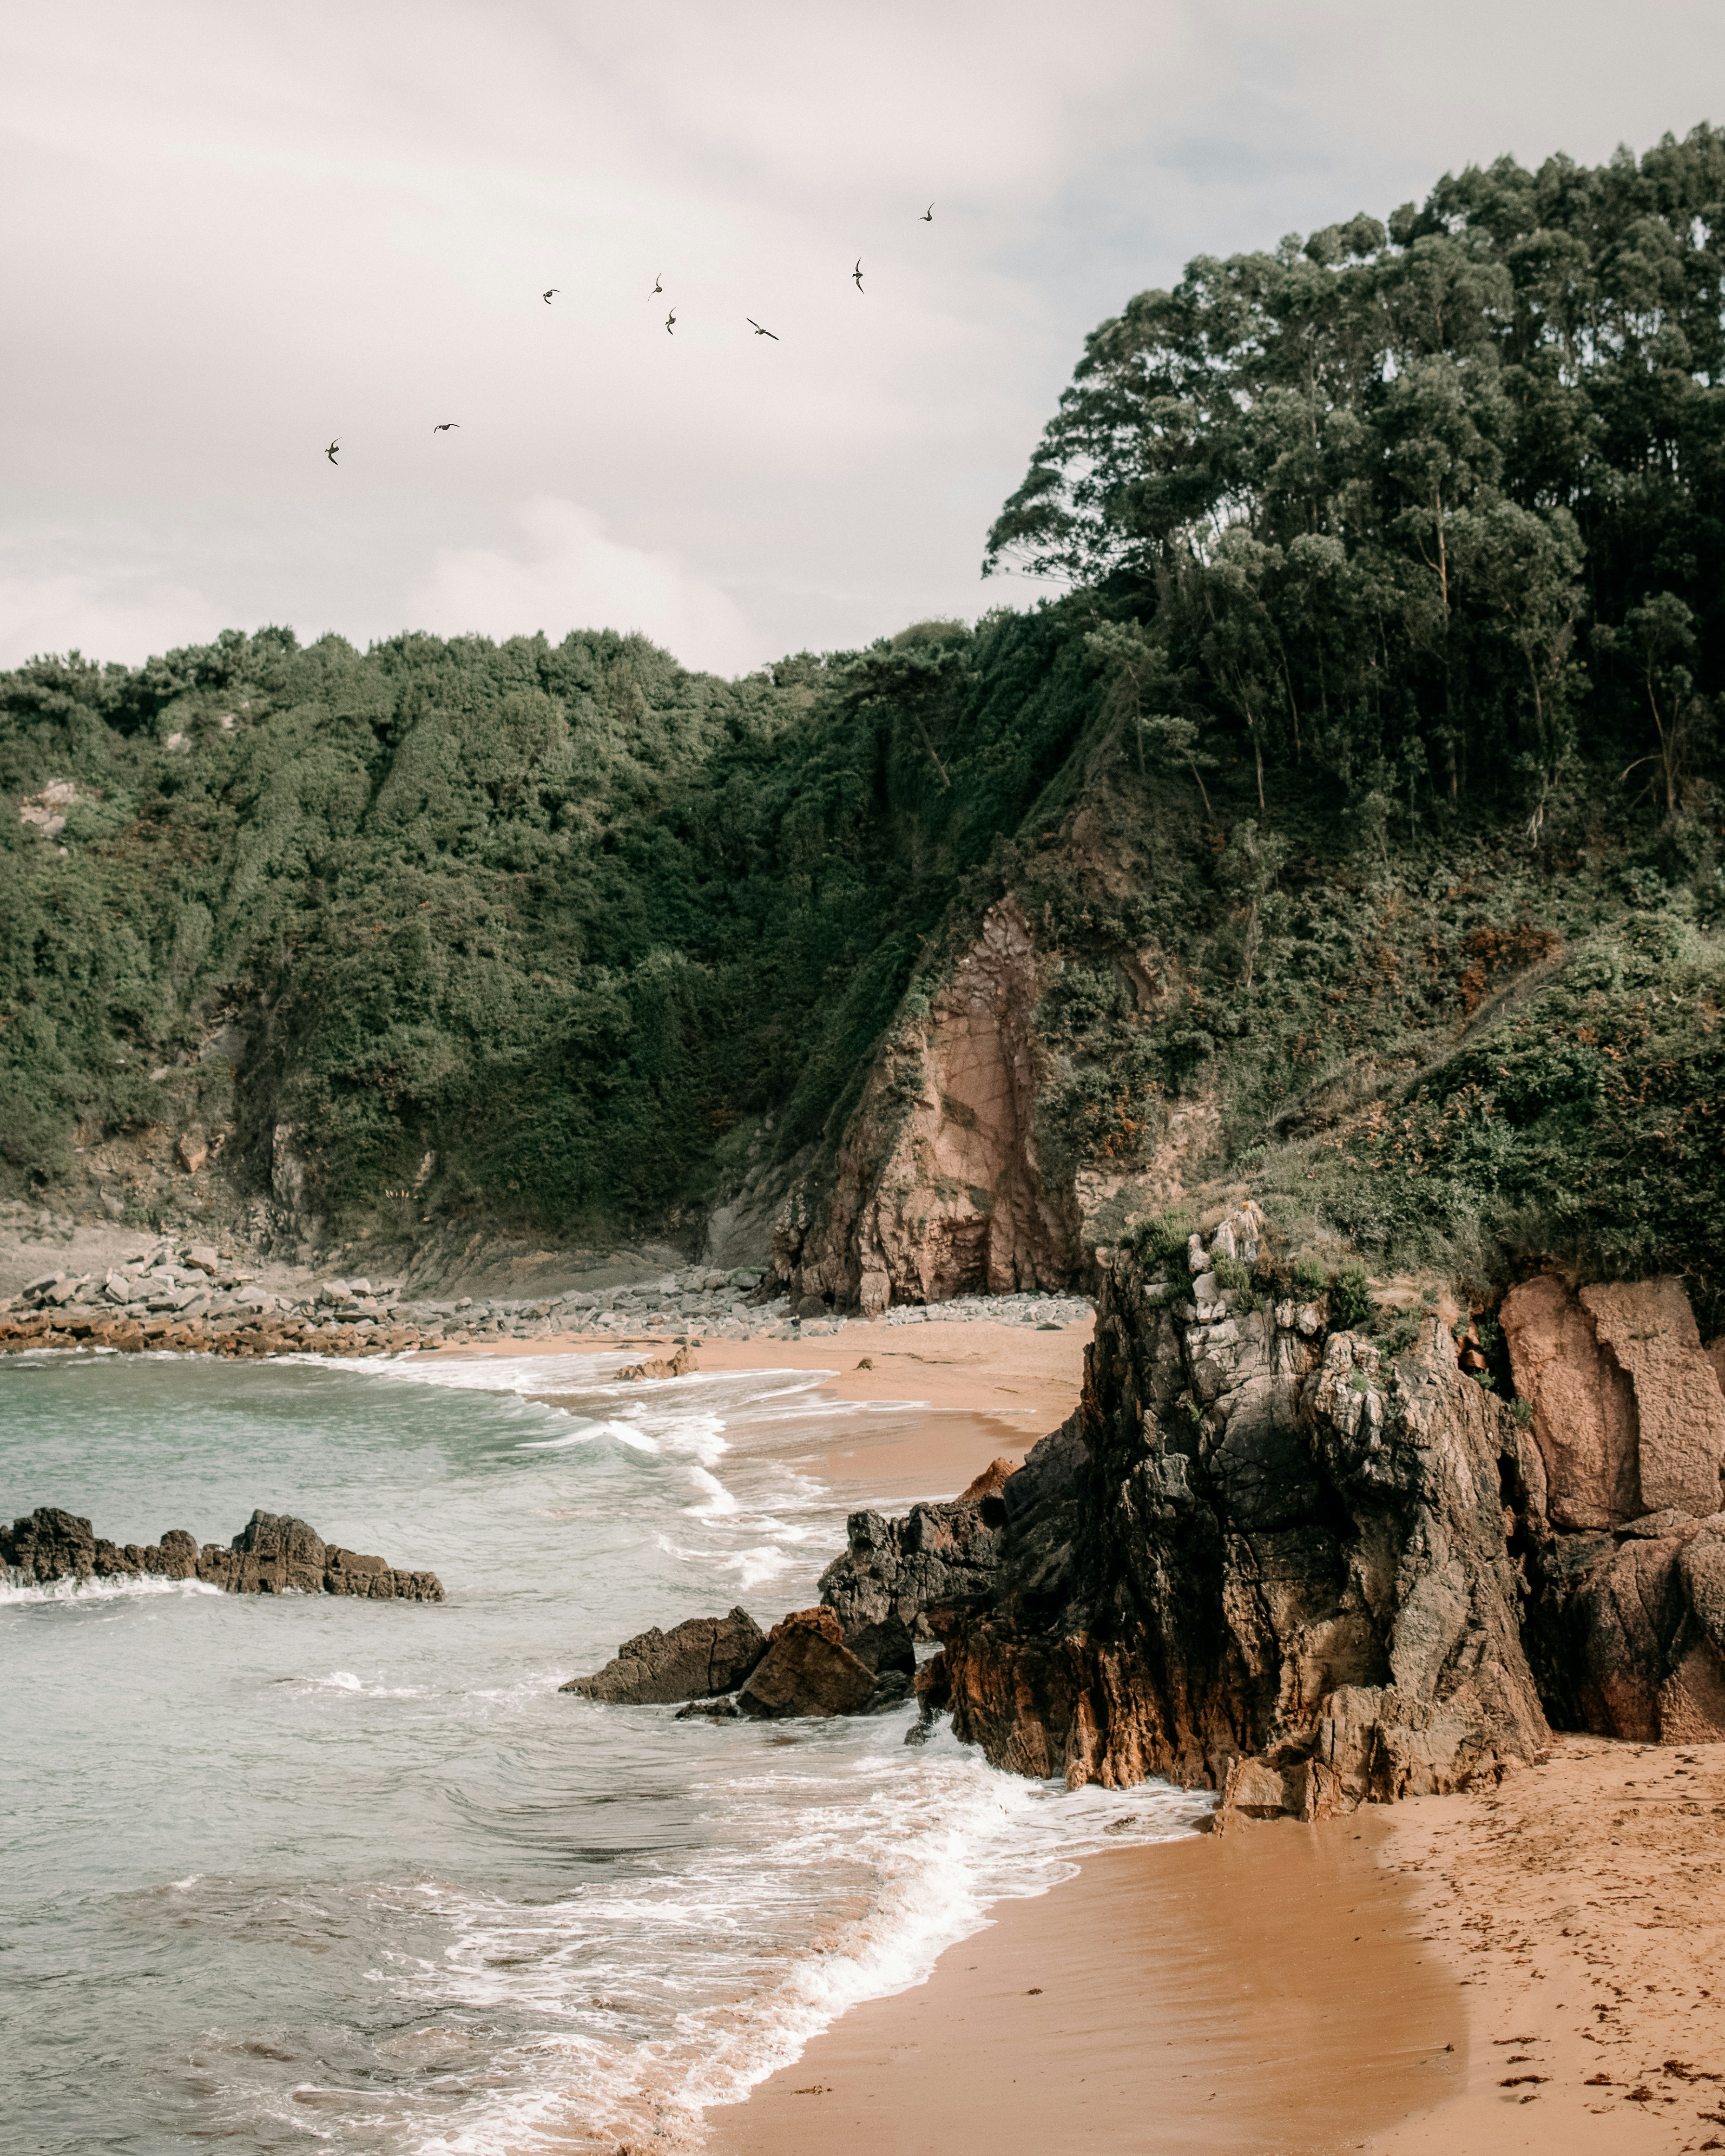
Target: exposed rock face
{"points": [[1627, 1410], [271, 1555], [894, 1571], [1262, 1555], [1627, 1622], [660, 1366], [1583, 1402], [938, 1190], [694, 1660], [807, 1669]]}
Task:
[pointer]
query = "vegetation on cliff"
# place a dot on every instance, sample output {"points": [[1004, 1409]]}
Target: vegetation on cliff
{"points": [[1362, 786]]}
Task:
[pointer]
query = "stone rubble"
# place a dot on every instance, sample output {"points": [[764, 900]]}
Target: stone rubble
{"points": [[193, 1298]]}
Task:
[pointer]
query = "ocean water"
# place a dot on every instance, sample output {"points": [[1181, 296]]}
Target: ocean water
{"points": [[312, 1873]]}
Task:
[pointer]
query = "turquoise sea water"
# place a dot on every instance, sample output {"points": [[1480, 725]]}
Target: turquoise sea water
{"points": [[311, 1872]]}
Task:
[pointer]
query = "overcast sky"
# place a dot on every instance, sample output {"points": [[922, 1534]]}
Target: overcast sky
{"points": [[232, 233]]}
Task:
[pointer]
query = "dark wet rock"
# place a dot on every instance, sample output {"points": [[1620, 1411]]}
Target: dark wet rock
{"points": [[807, 1669], [695, 1659], [707, 1710], [1051, 1470], [893, 1572], [1254, 1546], [884, 1644], [50, 1544], [272, 1554], [890, 1690]]}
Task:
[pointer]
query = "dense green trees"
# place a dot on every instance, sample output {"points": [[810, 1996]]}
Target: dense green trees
{"points": [[1434, 505], [1390, 669], [564, 917]]}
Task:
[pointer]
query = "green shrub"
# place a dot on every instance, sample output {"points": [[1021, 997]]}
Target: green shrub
{"points": [[1309, 1275], [1155, 1240], [1523, 1410], [1350, 1298], [1230, 1273]]}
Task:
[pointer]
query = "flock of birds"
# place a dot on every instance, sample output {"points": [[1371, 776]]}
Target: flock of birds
{"points": [[550, 292]]}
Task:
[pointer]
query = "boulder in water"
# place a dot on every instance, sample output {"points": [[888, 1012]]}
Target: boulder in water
{"points": [[807, 1669], [270, 1555], [695, 1659]]}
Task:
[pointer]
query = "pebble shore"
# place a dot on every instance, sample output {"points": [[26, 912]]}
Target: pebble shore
{"points": [[195, 1298]]}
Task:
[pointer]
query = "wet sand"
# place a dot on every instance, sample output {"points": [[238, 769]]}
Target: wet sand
{"points": [[1028, 1378], [1261, 1990], [951, 1397]]}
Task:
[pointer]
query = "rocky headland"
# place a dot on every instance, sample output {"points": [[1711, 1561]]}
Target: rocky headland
{"points": [[273, 1553], [1309, 1566]]}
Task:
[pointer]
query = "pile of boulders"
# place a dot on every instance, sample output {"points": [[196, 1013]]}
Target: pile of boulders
{"points": [[196, 1298], [855, 1651], [1046, 1312], [273, 1553]]}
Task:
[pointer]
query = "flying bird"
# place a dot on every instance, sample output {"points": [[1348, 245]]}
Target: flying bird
{"points": [[857, 273], [758, 331], [658, 284], [549, 296], [444, 425], [331, 451], [927, 216], [669, 319]]}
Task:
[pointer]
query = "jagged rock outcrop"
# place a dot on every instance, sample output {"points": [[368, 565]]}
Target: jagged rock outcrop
{"points": [[807, 1669], [696, 1659], [1277, 1564], [272, 1554], [659, 1366], [938, 1190], [892, 1572]]}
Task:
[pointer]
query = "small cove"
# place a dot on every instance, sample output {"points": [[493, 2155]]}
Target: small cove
{"points": [[354, 1876]]}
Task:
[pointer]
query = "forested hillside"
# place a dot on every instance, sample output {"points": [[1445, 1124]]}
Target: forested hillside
{"points": [[1361, 786]]}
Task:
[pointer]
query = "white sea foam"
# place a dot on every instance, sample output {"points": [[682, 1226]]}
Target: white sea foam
{"points": [[14, 1588], [651, 1999]]}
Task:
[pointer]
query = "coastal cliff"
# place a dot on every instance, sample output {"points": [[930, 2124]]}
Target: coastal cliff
{"points": [[1307, 1568], [1280, 1566]]}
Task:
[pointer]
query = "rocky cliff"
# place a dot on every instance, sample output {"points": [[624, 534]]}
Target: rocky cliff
{"points": [[937, 1189], [1271, 1556], [1618, 1507], [1277, 1562]]}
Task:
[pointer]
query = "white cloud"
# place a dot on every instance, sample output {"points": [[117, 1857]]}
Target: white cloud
{"points": [[105, 617], [232, 234], [572, 574]]}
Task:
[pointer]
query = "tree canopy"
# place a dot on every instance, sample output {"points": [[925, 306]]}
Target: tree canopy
{"points": [[1437, 501]]}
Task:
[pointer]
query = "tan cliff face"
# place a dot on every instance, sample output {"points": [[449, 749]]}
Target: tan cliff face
{"points": [[938, 1190], [1627, 1410], [1622, 1505]]}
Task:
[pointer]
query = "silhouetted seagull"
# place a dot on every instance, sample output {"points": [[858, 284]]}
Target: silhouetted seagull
{"points": [[658, 284], [443, 426], [857, 273], [758, 331], [927, 216], [669, 319], [549, 296], [331, 451]]}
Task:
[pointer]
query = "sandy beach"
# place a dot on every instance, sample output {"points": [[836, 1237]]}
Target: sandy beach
{"points": [[1531, 1970], [1524, 1968], [1243, 1993], [952, 1396]]}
